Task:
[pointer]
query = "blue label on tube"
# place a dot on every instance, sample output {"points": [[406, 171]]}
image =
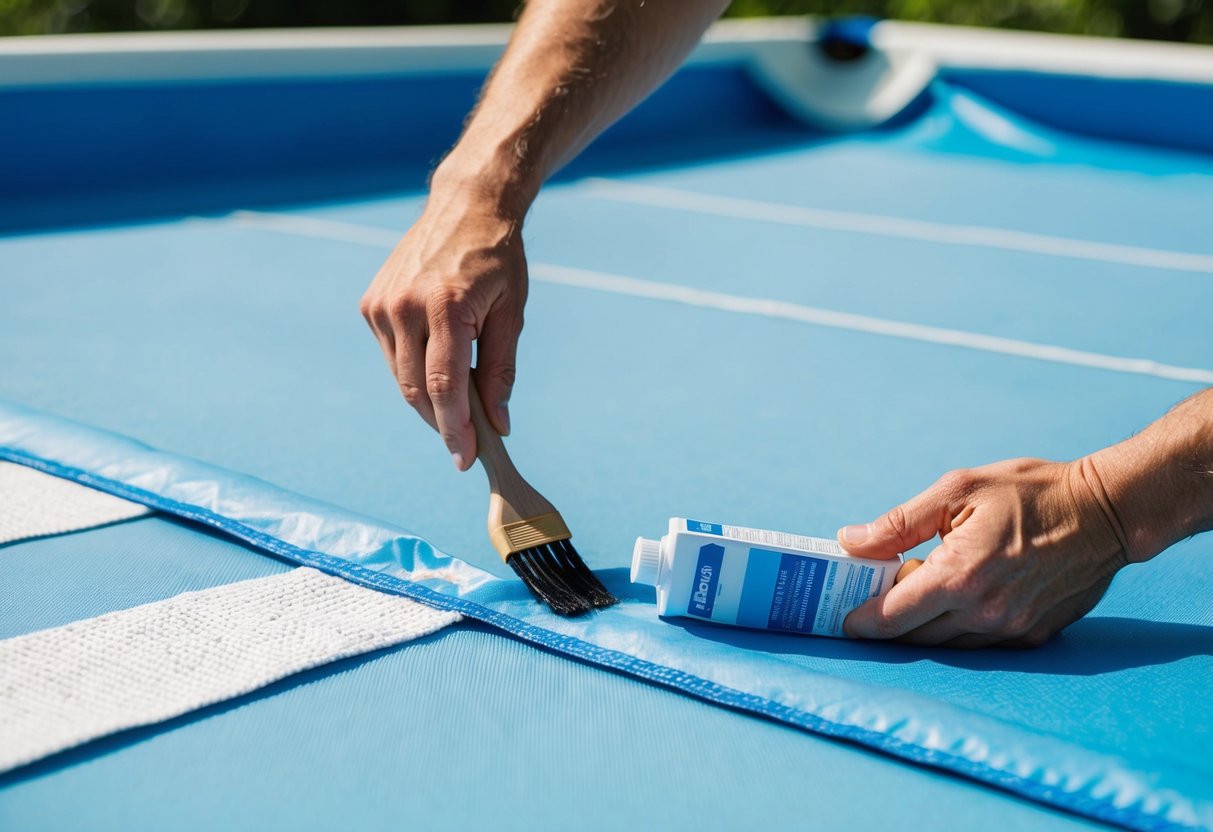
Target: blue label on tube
{"points": [[781, 591], [700, 527], [706, 580], [797, 593]]}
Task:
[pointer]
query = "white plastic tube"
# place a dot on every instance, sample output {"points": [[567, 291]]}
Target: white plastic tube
{"points": [[757, 579]]}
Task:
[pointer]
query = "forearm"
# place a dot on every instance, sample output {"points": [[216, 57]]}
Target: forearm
{"points": [[1157, 487], [571, 69]]}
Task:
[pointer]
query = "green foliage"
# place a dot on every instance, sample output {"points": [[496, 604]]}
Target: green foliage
{"points": [[52, 16], [1183, 20]]}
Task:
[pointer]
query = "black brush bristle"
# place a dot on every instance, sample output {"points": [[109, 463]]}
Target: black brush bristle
{"points": [[587, 580], [556, 575], [539, 581]]}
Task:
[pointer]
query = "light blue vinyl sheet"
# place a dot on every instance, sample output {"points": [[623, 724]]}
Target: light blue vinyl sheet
{"points": [[523, 737], [764, 673], [239, 349]]}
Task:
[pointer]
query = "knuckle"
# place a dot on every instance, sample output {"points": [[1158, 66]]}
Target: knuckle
{"points": [[957, 482], [449, 305], [963, 584], [414, 394], [443, 295], [898, 522], [1018, 623], [376, 310], [440, 385], [1022, 465], [401, 308], [504, 375], [992, 617]]}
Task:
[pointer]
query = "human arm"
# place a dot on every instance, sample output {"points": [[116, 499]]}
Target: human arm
{"points": [[459, 275], [1028, 546]]}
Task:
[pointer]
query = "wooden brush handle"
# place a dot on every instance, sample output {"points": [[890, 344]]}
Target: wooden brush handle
{"points": [[512, 500], [490, 450]]}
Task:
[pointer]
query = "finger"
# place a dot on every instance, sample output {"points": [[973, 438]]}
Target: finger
{"points": [[448, 355], [900, 529], [906, 570], [389, 350], [920, 598], [381, 326], [496, 352], [1040, 631], [410, 373], [943, 630], [1058, 618]]}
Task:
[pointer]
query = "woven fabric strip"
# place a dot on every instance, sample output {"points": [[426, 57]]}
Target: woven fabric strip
{"points": [[34, 504], [62, 687]]}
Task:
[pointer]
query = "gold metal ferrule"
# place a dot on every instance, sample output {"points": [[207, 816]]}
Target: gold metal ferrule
{"points": [[527, 534]]}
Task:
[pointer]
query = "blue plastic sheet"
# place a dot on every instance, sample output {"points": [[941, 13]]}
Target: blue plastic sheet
{"points": [[749, 671], [225, 342]]}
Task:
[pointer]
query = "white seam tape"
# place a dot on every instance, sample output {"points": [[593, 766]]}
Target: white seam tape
{"points": [[34, 504], [62, 687], [899, 227], [633, 287]]}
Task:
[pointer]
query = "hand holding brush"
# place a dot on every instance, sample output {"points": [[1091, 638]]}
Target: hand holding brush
{"points": [[528, 532]]}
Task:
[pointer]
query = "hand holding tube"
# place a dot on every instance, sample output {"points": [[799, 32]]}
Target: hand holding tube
{"points": [[1028, 546]]}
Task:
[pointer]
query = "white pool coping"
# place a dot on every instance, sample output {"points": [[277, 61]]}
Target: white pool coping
{"points": [[33, 61]]}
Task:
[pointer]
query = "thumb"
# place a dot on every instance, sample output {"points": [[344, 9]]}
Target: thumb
{"points": [[496, 352], [899, 529]]}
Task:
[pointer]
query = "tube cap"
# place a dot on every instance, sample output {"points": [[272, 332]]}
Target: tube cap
{"points": [[646, 561]]}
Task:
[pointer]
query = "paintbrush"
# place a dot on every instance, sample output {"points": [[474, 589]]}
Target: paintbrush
{"points": [[529, 533]]}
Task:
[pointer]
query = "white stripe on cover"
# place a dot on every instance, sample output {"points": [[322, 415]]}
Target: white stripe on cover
{"points": [[903, 228], [766, 307], [62, 687], [34, 504]]}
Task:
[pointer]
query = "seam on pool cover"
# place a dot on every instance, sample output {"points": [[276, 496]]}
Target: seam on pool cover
{"points": [[680, 680]]}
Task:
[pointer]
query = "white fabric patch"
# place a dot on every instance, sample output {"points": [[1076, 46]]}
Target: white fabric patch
{"points": [[62, 687], [34, 504]]}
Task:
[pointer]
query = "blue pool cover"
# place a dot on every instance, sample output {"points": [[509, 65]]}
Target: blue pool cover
{"points": [[231, 343]]}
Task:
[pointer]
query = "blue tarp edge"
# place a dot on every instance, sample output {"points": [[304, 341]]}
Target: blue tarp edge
{"points": [[1171, 813]]}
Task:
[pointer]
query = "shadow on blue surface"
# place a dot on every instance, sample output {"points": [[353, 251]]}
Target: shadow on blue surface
{"points": [[120, 153], [1088, 647], [71, 532]]}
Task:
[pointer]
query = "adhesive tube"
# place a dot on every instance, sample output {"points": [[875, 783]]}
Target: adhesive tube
{"points": [[758, 579]]}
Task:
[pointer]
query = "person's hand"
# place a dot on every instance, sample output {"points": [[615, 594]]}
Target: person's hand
{"points": [[458, 275], [1027, 547]]}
